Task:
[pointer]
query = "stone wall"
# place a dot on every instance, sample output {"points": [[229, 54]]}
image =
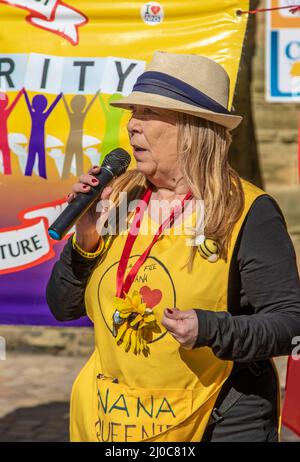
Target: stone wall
{"points": [[70, 341], [276, 130], [277, 134]]}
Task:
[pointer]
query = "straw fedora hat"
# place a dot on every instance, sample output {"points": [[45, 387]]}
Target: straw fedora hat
{"points": [[187, 83]]}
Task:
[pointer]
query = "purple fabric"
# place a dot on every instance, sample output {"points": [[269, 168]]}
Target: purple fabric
{"points": [[22, 297]]}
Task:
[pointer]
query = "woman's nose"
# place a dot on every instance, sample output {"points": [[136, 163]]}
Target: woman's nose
{"points": [[134, 125]]}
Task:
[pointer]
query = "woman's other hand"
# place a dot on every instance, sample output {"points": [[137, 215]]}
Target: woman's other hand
{"points": [[182, 325], [87, 231]]}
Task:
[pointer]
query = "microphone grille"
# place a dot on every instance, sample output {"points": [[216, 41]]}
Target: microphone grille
{"points": [[117, 161]]}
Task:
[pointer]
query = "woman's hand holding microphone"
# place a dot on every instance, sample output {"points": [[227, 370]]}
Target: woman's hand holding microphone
{"points": [[88, 233]]}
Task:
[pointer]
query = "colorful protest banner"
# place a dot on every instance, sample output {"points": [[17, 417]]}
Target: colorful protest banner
{"points": [[61, 64]]}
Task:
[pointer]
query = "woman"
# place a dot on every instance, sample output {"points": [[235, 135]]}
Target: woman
{"points": [[183, 334]]}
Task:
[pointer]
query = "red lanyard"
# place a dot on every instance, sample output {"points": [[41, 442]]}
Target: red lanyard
{"points": [[123, 286]]}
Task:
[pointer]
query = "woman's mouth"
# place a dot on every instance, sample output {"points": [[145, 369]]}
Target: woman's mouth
{"points": [[137, 150]]}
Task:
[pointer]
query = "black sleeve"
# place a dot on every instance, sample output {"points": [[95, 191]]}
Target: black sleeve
{"points": [[66, 286], [270, 284]]}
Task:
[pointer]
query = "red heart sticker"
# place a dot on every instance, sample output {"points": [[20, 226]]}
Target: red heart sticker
{"points": [[150, 297], [155, 9]]}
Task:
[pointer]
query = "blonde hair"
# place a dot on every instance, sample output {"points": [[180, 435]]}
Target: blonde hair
{"points": [[203, 151], [203, 154]]}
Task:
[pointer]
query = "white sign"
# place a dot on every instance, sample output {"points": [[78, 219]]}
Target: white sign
{"points": [[283, 52], [71, 75]]}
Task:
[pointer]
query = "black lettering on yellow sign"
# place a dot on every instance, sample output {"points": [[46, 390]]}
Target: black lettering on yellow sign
{"points": [[120, 408], [116, 431], [142, 278], [150, 267], [168, 409], [127, 435], [156, 406], [140, 405]]}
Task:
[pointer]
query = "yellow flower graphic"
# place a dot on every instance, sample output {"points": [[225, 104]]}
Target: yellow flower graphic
{"points": [[135, 323]]}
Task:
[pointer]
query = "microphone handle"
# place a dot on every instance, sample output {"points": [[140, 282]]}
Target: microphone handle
{"points": [[79, 205]]}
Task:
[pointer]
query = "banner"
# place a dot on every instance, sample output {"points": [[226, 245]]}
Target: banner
{"points": [[283, 52], [61, 64]]}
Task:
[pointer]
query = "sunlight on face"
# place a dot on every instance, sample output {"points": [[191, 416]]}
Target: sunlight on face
{"points": [[153, 136]]}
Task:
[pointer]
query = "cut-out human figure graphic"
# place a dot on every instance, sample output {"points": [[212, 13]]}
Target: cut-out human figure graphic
{"points": [[37, 135], [77, 115], [5, 112], [113, 118]]}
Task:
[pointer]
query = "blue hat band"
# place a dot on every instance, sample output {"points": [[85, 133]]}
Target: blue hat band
{"points": [[162, 84]]}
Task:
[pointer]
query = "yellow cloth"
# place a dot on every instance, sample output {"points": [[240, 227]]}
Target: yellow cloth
{"points": [[167, 394]]}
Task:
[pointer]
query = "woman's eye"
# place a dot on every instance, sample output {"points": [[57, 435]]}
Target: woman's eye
{"points": [[148, 110], [136, 112]]}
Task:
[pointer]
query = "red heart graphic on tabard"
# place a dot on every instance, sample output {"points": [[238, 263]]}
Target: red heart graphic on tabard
{"points": [[150, 297], [155, 9]]}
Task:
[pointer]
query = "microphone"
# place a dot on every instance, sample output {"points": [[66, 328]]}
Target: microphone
{"points": [[114, 164]]}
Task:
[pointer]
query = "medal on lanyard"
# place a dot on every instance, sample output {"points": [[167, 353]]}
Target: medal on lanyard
{"points": [[133, 322]]}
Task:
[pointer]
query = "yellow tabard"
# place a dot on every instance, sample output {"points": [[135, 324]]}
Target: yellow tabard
{"points": [[166, 395]]}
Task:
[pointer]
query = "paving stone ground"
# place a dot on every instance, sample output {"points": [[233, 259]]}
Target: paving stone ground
{"points": [[34, 397]]}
